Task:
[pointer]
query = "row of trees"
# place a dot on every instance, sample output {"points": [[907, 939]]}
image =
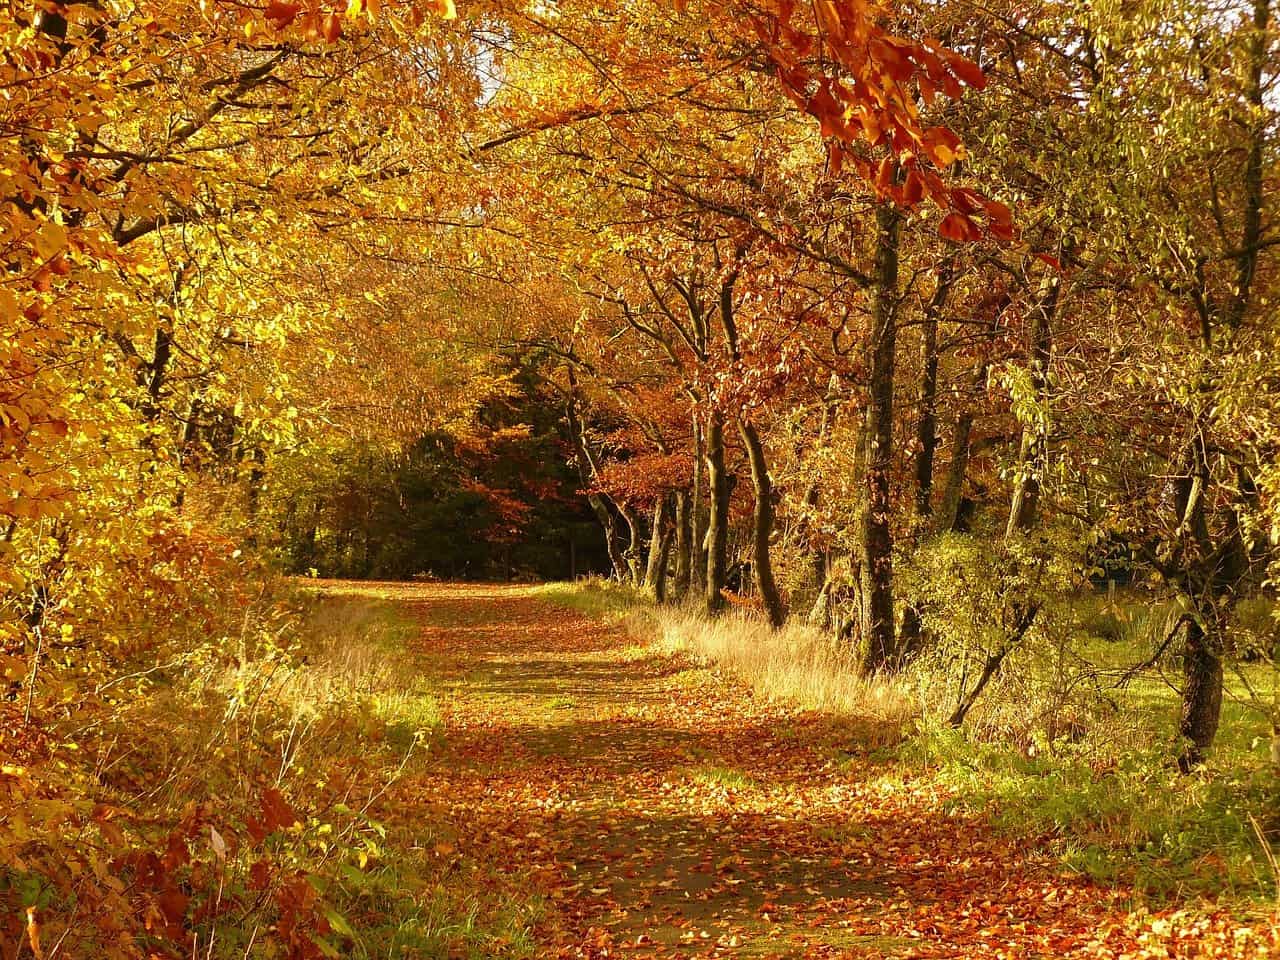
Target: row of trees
{"points": [[900, 319], [809, 288], [811, 353]]}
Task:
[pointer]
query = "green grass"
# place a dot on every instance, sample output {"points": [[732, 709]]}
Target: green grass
{"points": [[724, 777], [1113, 802]]}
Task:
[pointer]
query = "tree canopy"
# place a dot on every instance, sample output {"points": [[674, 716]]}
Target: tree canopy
{"points": [[907, 320]]}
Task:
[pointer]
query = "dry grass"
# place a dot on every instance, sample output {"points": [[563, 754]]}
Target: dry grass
{"points": [[797, 665]]}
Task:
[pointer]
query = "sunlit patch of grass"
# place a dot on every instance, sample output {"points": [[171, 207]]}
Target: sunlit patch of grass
{"points": [[797, 665], [347, 676], [445, 925], [562, 703], [596, 597], [724, 777], [1132, 818]]}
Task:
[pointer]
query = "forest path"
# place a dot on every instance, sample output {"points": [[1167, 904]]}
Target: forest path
{"points": [[658, 809]]}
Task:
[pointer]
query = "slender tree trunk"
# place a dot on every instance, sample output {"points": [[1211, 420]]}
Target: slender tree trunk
{"points": [[698, 512], [927, 415], [659, 585], [635, 536], [1202, 653], [683, 546], [950, 515], [881, 649], [718, 513], [1026, 490], [659, 547], [763, 525], [991, 666], [912, 638], [820, 613]]}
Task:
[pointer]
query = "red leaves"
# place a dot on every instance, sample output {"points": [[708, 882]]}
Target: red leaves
{"points": [[280, 15], [871, 101], [959, 228], [912, 190], [331, 28], [277, 814], [886, 175], [967, 71]]}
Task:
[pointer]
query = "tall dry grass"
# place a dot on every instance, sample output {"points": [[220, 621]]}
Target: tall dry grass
{"points": [[797, 665]]}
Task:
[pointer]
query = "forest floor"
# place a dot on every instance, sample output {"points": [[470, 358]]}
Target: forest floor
{"points": [[639, 803]]}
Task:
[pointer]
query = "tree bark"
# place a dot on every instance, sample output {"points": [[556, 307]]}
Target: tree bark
{"points": [[587, 469], [659, 547], [697, 514], [912, 637], [718, 513], [880, 651], [1201, 694], [763, 524], [927, 418], [1214, 584], [635, 536], [682, 545]]}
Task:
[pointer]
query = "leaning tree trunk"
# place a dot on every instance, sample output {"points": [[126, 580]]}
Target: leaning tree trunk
{"points": [[610, 527], [631, 555], [717, 513], [880, 651], [763, 526], [588, 470]]}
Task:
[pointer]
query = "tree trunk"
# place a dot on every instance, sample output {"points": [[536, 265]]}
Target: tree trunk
{"points": [[763, 526], [718, 513], [1222, 568], [1026, 490], [880, 651], [635, 535], [610, 527], [697, 514], [684, 518], [949, 518], [587, 470], [927, 419], [912, 638], [659, 547], [1201, 693], [659, 584]]}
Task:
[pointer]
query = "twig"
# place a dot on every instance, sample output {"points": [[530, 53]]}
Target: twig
{"points": [[1155, 657]]}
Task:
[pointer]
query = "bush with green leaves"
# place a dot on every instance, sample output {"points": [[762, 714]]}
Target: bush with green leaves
{"points": [[986, 606]]}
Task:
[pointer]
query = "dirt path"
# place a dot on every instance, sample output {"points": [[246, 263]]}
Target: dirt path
{"points": [[659, 810]]}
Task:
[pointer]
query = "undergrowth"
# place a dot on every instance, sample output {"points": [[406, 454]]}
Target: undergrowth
{"points": [[227, 796]]}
